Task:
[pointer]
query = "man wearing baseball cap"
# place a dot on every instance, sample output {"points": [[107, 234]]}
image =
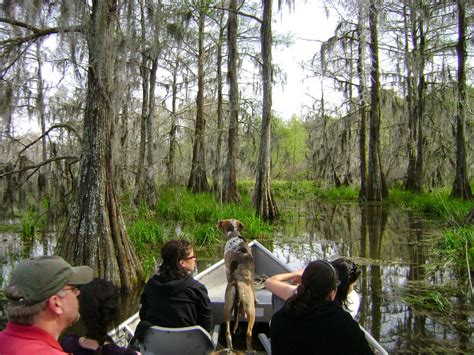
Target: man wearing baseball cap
{"points": [[42, 296]]}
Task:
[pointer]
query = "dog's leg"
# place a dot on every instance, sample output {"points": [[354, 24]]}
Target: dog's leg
{"points": [[228, 307], [236, 318], [248, 303], [251, 322]]}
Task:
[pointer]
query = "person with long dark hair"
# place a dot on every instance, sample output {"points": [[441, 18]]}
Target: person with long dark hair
{"points": [[172, 297], [311, 322], [99, 304], [347, 273], [285, 285]]}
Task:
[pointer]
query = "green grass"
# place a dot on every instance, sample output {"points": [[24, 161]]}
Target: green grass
{"points": [[29, 224], [199, 214], [306, 189], [196, 215], [435, 204], [456, 248]]}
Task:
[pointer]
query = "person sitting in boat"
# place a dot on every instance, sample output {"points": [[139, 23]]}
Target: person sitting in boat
{"points": [[99, 306], [172, 297], [284, 285], [42, 303], [311, 322], [348, 273]]}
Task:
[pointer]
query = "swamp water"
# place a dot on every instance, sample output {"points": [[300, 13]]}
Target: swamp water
{"points": [[391, 246]]}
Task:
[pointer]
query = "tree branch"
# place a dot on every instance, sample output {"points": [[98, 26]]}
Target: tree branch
{"points": [[60, 125], [243, 14], [36, 166], [37, 32]]}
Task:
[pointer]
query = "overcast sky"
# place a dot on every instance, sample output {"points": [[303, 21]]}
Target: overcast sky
{"points": [[309, 24]]}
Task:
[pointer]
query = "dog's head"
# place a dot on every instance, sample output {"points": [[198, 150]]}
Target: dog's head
{"points": [[230, 227]]}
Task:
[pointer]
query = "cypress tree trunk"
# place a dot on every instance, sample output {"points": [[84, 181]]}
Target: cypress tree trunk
{"points": [[95, 234], [262, 199], [198, 179], [376, 189], [362, 106], [145, 74], [461, 187], [217, 163], [170, 161], [416, 104], [229, 182]]}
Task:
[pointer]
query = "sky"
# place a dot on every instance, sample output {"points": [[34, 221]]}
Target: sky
{"points": [[309, 25]]}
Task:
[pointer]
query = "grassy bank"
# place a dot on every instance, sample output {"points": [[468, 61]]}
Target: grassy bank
{"points": [[180, 213]]}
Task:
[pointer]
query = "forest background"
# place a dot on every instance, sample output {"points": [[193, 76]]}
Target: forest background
{"points": [[133, 95]]}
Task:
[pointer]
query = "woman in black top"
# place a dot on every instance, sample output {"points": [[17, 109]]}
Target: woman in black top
{"points": [[311, 322], [172, 297], [99, 306]]}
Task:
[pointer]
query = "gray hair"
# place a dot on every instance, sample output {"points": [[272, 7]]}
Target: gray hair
{"points": [[21, 313]]}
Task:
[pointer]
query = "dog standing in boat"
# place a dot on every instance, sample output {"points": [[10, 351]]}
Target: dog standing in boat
{"points": [[240, 266]]}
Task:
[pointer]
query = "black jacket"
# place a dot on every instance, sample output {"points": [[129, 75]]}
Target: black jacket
{"points": [[174, 304], [323, 329]]}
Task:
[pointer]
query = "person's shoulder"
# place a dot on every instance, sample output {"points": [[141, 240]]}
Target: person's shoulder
{"points": [[152, 280], [192, 282]]}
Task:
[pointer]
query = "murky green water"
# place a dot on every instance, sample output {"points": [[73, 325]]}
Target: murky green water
{"points": [[392, 247]]}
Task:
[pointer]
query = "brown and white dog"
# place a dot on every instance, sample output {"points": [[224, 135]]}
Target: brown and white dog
{"points": [[240, 266]]}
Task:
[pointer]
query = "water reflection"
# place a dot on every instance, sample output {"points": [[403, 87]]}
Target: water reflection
{"points": [[390, 246], [13, 248]]}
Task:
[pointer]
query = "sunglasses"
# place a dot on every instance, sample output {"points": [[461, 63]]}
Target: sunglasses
{"points": [[190, 257]]}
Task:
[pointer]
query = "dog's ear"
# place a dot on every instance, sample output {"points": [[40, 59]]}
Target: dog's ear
{"points": [[240, 226], [221, 225]]}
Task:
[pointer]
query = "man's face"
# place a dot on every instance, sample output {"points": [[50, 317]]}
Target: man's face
{"points": [[71, 304]]}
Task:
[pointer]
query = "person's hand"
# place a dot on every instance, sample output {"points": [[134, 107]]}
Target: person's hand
{"points": [[296, 279], [87, 343]]}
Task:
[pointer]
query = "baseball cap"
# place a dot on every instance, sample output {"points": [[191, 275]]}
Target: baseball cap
{"points": [[41, 277]]}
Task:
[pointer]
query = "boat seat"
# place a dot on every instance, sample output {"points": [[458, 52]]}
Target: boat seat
{"points": [[193, 340], [265, 343]]}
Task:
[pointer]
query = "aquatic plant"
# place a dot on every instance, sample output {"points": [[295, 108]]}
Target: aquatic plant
{"points": [[29, 224], [433, 298]]}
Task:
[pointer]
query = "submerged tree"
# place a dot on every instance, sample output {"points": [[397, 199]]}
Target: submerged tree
{"points": [[95, 234]]}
